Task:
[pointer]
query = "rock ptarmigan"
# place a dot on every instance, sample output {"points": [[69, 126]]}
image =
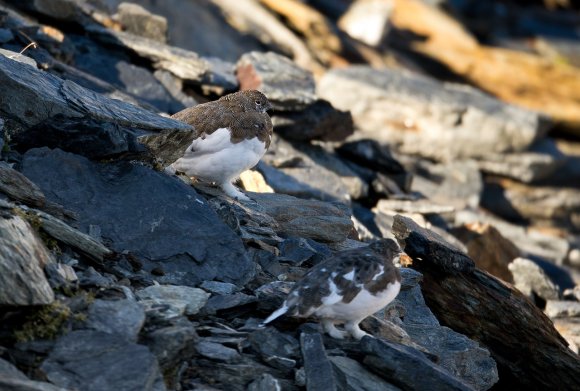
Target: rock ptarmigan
{"points": [[231, 136], [346, 288]]}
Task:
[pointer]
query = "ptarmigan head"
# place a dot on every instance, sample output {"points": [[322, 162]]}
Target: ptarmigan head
{"points": [[346, 288]]}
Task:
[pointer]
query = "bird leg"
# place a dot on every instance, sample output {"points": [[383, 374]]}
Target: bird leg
{"points": [[329, 328], [231, 191], [353, 329]]}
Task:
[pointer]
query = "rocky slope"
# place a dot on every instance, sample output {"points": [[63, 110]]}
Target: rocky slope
{"points": [[117, 276]]}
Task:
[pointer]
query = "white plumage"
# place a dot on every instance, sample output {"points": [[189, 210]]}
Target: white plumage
{"points": [[216, 159]]}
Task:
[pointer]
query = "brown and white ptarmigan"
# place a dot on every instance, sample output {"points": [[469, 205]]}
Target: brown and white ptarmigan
{"points": [[346, 288], [232, 134]]}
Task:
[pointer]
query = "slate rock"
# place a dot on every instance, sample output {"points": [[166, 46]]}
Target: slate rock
{"points": [[400, 365], [173, 344], [311, 219], [300, 250], [22, 259], [369, 153], [137, 20], [287, 86], [150, 225], [226, 302], [2, 136], [266, 382], [540, 205], [121, 317], [59, 111], [277, 349], [539, 162], [456, 353], [318, 121], [531, 279], [219, 288], [185, 64], [8, 383], [210, 26], [319, 372], [9, 370], [457, 183], [352, 376], [92, 278], [18, 187], [188, 298], [97, 361], [562, 309], [426, 117], [217, 352], [428, 249]]}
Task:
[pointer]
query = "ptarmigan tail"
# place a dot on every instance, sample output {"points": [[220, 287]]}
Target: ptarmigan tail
{"points": [[276, 314]]}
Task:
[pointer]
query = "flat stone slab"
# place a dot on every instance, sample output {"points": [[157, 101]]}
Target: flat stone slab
{"points": [[170, 227]]}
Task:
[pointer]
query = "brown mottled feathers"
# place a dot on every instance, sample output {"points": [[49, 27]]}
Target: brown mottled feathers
{"points": [[243, 112], [366, 264]]}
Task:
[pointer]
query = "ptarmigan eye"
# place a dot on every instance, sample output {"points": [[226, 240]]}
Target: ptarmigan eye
{"points": [[258, 103]]}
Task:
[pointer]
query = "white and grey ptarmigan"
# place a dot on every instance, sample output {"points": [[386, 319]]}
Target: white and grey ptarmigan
{"points": [[232, 135], [346, 288]]}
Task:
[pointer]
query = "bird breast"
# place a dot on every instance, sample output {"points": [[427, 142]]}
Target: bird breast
{"points": [[364, 303]]}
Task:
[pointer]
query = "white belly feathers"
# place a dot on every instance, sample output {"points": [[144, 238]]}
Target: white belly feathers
{"points": [[216, 159]]}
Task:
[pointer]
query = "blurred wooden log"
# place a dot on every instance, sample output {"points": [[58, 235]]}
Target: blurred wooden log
{"points": [[516, 77], [317, 31], [250, 16]]}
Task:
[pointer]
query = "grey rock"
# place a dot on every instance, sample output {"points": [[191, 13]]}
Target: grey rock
{"points": [[458, 354], [369, 153], [18, 57], [311, 219], [9, 370], [97, 361], [421, 206], [287, 86], [188, 298], [8, 383], [174, 86], [272, 295], [544, 206], [319, 373], [429, 248], [122, 317], [54, 112], [426, 117], [530, 277], [416, 311], [137, 20], [92, 278], [300, 250], [276, 349], [182, 63], [60, 276], [18, 187], [210, 26], [562, 309], [22, 259], [410, 278], [318, 121], [172, 344], [352, 376], [2, 136], [225, 302], [400, 364], [539, 162], [6, 35], [310, 172], [457, 183], [216, 351], [236, 376], [219, 288], [147, 224], [266, 382]]}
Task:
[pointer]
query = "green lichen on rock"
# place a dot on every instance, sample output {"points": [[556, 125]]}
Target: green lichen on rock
{"points": [[46, 323]]}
